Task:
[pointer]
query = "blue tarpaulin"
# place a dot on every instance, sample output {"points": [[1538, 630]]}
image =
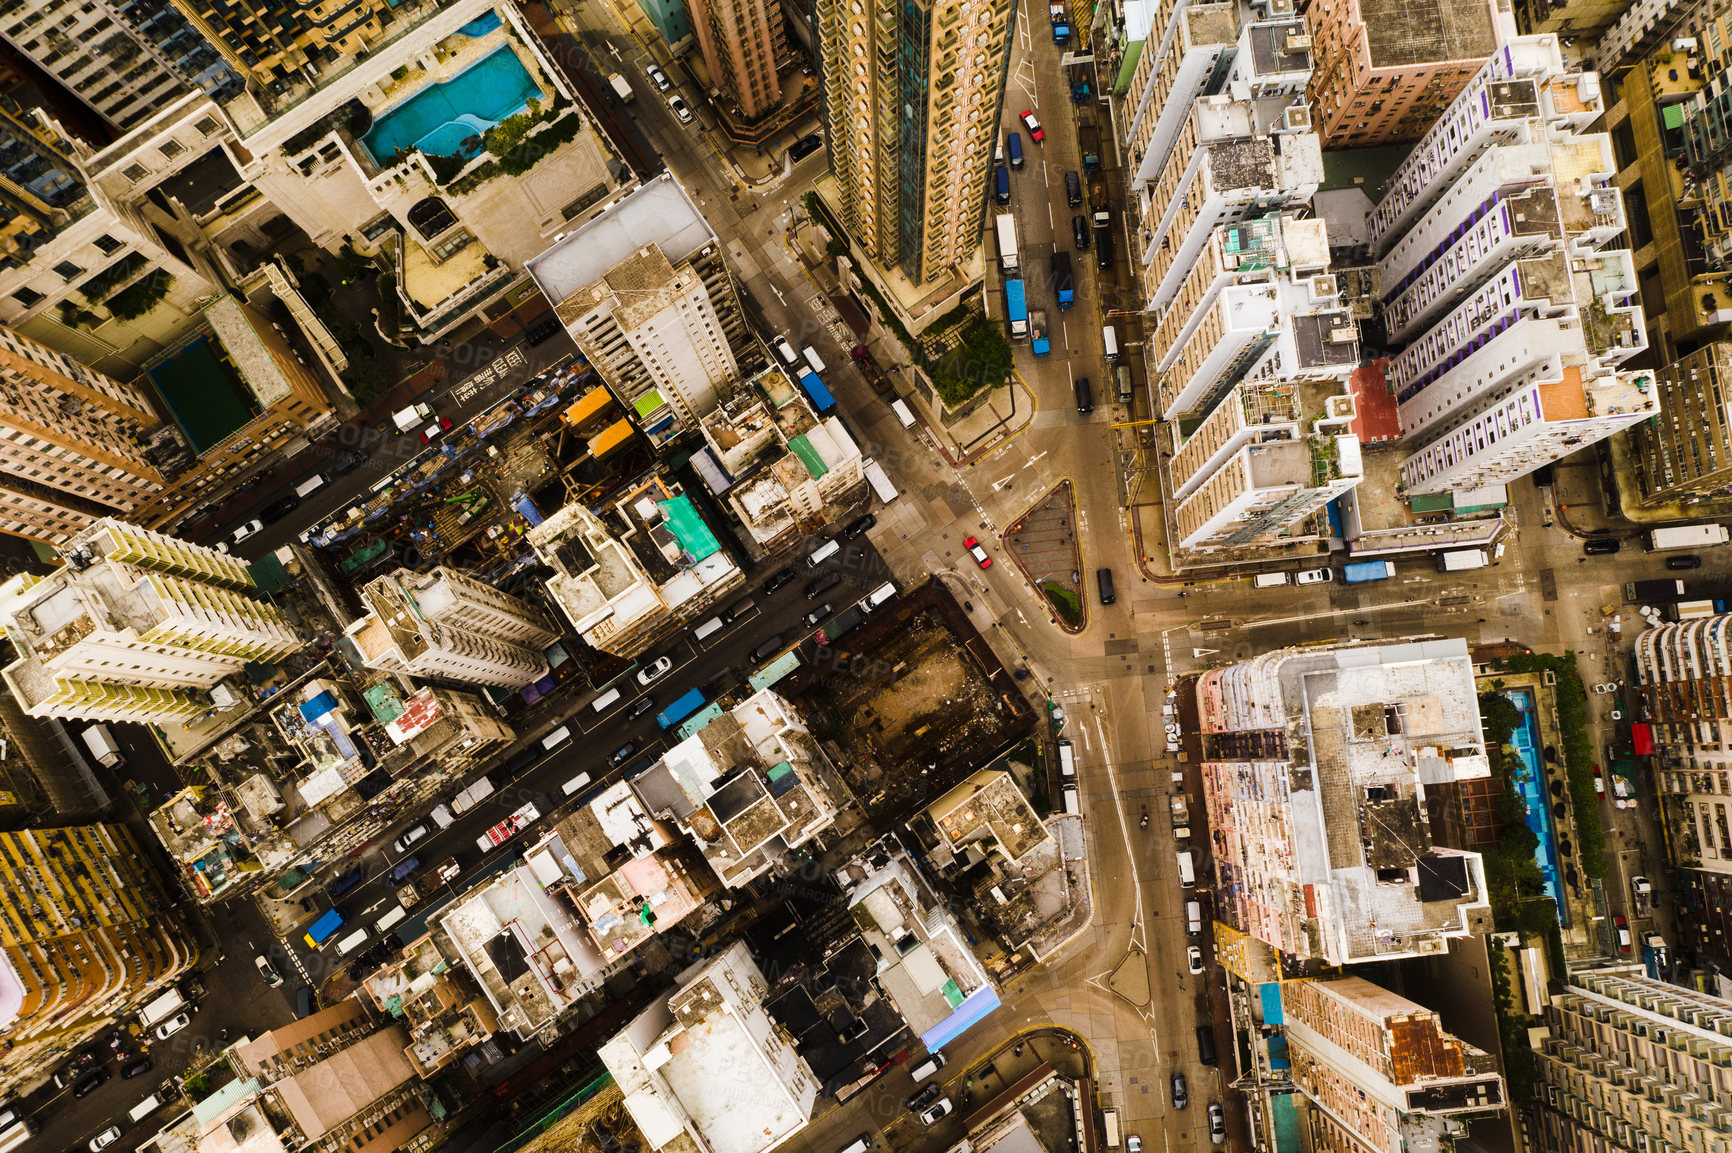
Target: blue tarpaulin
{"points": [[317, 707], [967, 1015], [821, 398], [527, 507]]}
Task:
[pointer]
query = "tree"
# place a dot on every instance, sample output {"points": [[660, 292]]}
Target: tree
{"points": [[509, 133]]}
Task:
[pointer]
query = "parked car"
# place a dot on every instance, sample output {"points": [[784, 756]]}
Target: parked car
{"points": [[622, 754], [279, 508], [817, 616], [1688, 560], [777, 579], [105, 1138], [1079, 232], [1133, 1144], [859, 525], [436, 428], [1217, 1124], [654, 670], [805, 146], [658, 78], [1600, 547], [410, 835], [925, 1097], [1623, 931], [270, 975], [1181, 1098], [1194, 959], [977, 552], [172, 1026], [640, 706], [1035, 132], [86, 1085], [937, 1111], [248, 529], [138, 1068], [1315, 576], [680, 109], [347, 462]]}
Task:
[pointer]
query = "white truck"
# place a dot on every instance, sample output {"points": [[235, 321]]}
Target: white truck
{"points": [[478, 790], [1687, 536], [621, 88], [162, 1008], [413, 417], [103, 746], [1006, 225], [1462, 559]]}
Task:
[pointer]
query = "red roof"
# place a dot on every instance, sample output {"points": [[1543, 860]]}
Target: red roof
{"points": [[1377, 420]]}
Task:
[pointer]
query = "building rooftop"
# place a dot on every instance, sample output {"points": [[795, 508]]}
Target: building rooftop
{"points": [[1402, 33], [1277, 48], [989, 807], [1326, 339], [658, 213]]}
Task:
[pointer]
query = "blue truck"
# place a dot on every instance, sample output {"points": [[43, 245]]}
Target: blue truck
{"points": [[1367, 570], [1016, 309], [681, 709], [1063, 283], [323, 929], [1037, 330], [1060, 15], [816, 392]]}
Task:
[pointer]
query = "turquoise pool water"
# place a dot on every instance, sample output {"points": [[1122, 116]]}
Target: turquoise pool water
{"points": [[1532, 783], [448, 118]]}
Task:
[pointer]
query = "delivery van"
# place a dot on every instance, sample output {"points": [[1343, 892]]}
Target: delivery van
{"points": [[1110, 338], [708, 629], [823, 553], [574, 784], [606, 701], [145, 1108], [556, 738], [310, 486], [411, 418], [904, 414], [103, 746], [935, 1061], [1072, 802], [396, 916], [1066, 760], [1270, 580], [1187, 872], [811, 355], [352, 942], [1194, 918]]}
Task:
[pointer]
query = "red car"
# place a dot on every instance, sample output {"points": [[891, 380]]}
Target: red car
{"points": [[1623, 929], [1035, 131], [437, 428], [978, 553]]}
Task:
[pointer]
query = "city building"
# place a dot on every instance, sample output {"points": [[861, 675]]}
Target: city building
{"points": [[749, 786], [443, 623], [911, 136], [1684, 453], [928, 970], [781, 468], [1381, 1072], [84, 941], [1681, 673], [1250, 366], [335, 1079], [1494, 274], [525, 947], [740, 41], [1625, 1060], [135, 626], [672, 19], [706, 1067], [1707, 123], [1315, 767], [70, 443], [1645, 25], [1244, 149], [1386, 69], [125, 60], [645, 291], [642, 567], [445, 1011], [45, 776]]}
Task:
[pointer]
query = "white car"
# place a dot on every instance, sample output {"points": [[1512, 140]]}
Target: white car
{"points": [[1194, 959], [240, 534], [680, 109], [172, 1026], [658, 78], [937, 1111], [410, 835], [1315, 576], [786, 352], [654, 671], [270, 975], [105, 1138]]}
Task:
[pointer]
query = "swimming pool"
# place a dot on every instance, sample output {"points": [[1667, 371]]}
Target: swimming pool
{"points": [[448, 118], [1531, 780]]}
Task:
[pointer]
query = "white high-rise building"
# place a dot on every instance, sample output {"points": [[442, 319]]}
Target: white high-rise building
{"points": [[1492, 269], [134, 626], [445, 624]]}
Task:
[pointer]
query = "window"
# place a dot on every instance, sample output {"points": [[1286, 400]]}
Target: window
{"points": [[207, 127], [28, 297], [68, 270], [170, 148], [135, 172]]}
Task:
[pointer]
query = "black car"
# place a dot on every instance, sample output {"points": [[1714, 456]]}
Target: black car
{"points": [[817, 616], [1689, 560], [1600, 547], [623, 755], [138, 1068], [1079, 232], [859, 525], [823, 585], [543, 329], [777, 579], [279, 508], [640, 706], [925, 1097], [768, 649], [86, 1085], [805, 146], [344, 463]]}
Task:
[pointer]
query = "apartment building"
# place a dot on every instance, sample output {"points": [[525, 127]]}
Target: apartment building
{"points": [[44, 777], [445, 1011], [634, 571], [70, 443], [1244, 150], [1682, 672], [781, 468], [645, 291], [707, 1066], [84, 941], [740, 40], [1644, 26], [1684, 453], [279, 45], [1630, 1062], [1183, 59], [1707, 129], [1494, 272], [913, 99], [445, 624], [1252, 359], [1380, 1072], [1387, 68], [1315, 769], [135, 626]]}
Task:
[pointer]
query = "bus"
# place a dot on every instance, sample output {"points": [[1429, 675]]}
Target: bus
{"points": [[681, 709]]}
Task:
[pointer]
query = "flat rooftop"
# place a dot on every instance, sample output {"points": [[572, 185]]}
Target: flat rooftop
{"points": [[1403, 33], [659, 213]]}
